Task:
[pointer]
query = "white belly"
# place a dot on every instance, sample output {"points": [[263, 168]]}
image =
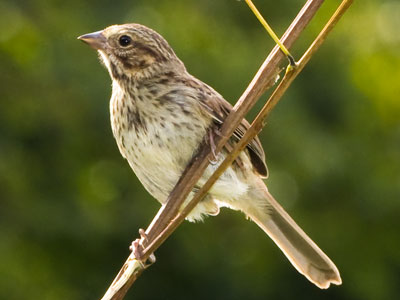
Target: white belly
{"points": [[158, 149]]}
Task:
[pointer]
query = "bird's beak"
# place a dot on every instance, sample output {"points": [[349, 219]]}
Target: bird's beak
{"points": [[96, 40]]}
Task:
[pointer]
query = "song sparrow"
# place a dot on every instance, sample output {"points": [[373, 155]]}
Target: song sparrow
{"points": [[159, 116]]}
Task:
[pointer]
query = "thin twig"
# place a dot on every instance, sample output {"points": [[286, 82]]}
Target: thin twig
{"points": [[162, 227], [270, 31], [258, 122]]}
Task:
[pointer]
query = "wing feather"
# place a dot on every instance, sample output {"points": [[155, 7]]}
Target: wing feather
{"points": [[218, 108]]}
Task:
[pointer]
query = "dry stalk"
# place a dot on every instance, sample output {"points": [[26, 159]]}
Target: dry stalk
{"points": [[168, 218]]}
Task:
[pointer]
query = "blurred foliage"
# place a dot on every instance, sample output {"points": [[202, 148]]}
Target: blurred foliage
{"points": [[69, 204]]}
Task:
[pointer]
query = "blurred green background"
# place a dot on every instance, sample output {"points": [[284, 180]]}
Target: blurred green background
{"points": [[70, 205]]}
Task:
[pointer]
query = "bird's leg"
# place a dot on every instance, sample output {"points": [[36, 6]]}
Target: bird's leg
{"points": [[217, 131], [137, 247], [211, 132]]}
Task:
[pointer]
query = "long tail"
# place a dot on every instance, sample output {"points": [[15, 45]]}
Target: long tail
{"points": [[301, 251]]}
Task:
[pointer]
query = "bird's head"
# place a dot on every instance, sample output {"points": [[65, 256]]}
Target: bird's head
{"points": [[133, 51]]}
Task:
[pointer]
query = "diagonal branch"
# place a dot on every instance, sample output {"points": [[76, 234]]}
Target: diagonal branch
{"points": [[169, 217], [264, 78]]}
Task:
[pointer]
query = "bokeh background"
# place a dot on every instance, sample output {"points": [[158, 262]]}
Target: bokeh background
{"points": [[70, 205]]}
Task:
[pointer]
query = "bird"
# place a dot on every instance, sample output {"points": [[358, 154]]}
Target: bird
{"points": [[160, 115]]}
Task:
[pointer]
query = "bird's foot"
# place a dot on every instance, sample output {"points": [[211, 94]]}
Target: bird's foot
{"points": [[137, 247]]}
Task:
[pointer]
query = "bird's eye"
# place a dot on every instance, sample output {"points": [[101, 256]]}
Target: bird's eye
{"points": [[125, 40]]}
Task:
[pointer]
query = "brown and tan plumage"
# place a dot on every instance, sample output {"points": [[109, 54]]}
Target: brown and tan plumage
{"points": [[159, 116]]}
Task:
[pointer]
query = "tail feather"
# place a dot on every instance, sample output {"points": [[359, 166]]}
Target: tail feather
{"points": [[301, 251]]}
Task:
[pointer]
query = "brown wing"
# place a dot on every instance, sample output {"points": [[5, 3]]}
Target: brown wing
{"points": [[219, 109]]}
